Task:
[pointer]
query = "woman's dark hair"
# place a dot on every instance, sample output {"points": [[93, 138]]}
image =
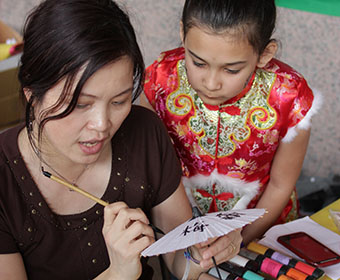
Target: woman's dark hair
{"points": [[255, 18], [62, 37]]}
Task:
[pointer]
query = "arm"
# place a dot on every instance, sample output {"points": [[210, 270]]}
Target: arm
{"points": [[285, 170], [12, 267], [173, 212]]}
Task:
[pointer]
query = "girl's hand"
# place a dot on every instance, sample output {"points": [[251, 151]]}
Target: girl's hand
{"points": [[222, 248], [127, 234]]}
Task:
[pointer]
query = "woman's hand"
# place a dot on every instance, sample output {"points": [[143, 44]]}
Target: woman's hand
{"points": [[222, 249], [127, 234]]}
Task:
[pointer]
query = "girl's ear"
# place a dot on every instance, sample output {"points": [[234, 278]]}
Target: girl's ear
{"points": [[267, 54], [181, 32]]}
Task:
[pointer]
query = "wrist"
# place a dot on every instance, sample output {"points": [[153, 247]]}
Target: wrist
{"points": [[193, 263], [189, 255]]}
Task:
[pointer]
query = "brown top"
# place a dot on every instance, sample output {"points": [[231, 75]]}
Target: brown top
{"points": [[145, 172]]}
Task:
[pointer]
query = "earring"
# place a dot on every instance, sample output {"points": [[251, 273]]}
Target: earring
{"points": [[30, 126], [31, 119]]}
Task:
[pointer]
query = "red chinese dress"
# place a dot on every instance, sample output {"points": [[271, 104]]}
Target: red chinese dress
{"points": [[226, 151]]}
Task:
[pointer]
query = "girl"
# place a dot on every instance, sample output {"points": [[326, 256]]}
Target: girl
{"points": [[80, 71], [239, 118]]}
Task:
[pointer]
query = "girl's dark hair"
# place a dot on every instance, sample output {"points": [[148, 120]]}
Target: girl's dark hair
{"points": [[255, 18], [62, 37]]}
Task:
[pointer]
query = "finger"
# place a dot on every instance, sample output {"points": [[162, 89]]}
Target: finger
{"points": [[137, 246], [138, 229], [127, 216], [206, 243], [223, 249], [141, 235], [138, 236], [110, 212]]}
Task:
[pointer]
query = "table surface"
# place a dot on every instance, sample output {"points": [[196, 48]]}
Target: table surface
{"points": [[323, 218]]}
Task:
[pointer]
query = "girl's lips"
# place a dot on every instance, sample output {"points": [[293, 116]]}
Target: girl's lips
{"points": [[91, 148]]}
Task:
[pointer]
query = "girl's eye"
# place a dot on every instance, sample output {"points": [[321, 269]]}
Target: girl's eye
{"points": [[198, 64]]}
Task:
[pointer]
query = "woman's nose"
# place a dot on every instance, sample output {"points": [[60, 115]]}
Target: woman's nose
{"points": [[99, 120]]}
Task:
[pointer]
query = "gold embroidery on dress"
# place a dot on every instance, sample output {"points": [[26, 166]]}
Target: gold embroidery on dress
{"points": [[254, 107]]}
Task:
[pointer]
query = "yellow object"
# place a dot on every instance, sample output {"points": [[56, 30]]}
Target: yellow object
{"points": [[324, 218], [257, 248], [335, 215], [5, 51]]}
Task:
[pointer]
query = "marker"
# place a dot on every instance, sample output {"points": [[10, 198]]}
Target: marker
{"points": [[240, 271], [244, 262], [226, 275], [274, 268], [298, 275], [266, 265], [281, 258]]}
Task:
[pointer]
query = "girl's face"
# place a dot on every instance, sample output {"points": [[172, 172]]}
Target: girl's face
{"points": [[103, 105], [218, 65]]}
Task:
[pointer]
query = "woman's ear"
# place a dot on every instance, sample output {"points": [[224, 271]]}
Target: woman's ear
{"points": [[267, 54], [28, 94]]}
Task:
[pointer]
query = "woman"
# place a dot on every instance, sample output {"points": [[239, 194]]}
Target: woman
{"points": [[80, 71]]}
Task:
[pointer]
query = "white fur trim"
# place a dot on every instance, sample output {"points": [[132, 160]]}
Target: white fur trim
{"points": [[247, 191], [306, 122]]}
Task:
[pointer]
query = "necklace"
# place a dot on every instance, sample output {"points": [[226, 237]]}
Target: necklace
{"points": [[73, 182], [38, 154], [41, 168]]}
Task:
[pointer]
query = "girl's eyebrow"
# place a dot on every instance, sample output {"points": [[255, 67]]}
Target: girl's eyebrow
{"points": [[225, 64]]}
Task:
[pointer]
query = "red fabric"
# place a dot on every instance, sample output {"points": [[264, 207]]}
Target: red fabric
{"points": [[237, 139]]}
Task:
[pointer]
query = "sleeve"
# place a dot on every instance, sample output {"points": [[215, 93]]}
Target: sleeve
{"points": [[7, 241], [305, 104], [166, 168], [157, 163], [171, 168], [150, 85]]}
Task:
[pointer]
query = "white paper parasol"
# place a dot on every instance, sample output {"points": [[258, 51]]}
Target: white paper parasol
{"points": [[202, 228]]}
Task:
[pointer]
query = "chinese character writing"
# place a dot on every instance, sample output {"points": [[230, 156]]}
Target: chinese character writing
{"points": [[229, 216], [198, 226]]}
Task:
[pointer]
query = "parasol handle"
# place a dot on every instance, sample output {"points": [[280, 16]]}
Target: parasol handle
{"points": [[196, 212]]}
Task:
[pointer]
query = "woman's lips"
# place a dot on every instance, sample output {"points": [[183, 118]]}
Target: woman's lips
{"points": [[91, 147]]}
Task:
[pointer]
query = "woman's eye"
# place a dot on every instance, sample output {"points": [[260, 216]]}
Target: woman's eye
{"points": [[81, 106], [231, 71], [198, 64], [117, 103]]}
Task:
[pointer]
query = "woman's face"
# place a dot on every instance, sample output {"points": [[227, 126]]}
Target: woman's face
{"points": [[104, 103], [218, 65]]}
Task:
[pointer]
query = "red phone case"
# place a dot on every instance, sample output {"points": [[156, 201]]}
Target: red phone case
{"points": [[309, 249]]}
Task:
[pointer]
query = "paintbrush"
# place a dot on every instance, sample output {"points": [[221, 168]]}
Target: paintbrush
{"points": [[85, 193]]}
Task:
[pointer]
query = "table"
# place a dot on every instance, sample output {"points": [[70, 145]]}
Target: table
{"points": [[323, 218]]}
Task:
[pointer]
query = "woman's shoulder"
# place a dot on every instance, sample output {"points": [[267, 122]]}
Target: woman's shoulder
{"points": [[141, 115], [8, 143], [142, 122]]}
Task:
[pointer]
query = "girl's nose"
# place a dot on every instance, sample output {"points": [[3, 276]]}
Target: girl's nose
{"points": [[212, 82]]}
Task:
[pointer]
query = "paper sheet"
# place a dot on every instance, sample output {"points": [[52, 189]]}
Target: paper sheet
{"points": [[320, 233]]}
